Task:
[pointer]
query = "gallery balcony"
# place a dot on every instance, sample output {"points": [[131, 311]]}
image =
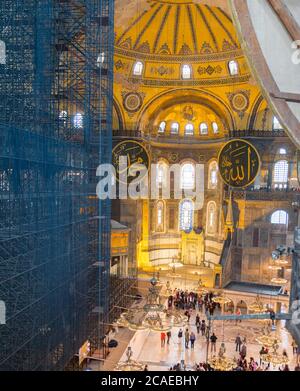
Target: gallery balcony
{"points": [[167, 138]]}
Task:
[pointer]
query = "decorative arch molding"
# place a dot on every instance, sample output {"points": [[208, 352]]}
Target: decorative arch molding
{"points": [[119, 113], [168, 98], [254, 111]]}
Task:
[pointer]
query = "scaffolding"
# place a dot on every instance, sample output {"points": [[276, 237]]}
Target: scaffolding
{"points": [[55, 128]]}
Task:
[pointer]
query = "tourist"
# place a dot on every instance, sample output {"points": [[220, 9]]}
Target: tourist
{"points": [[203, 328], [294, 346], [262, 354], [192, 339], [243, 351], [163, 339], [198, 324], [187, 338], [180, 335], [213, 340], [238, 343], [146, 368], [168, 337], [238, 313]]}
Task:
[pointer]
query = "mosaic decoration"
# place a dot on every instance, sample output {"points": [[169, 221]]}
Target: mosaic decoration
{"points": [[206, 48], [188, 113], [239, 163], [132, 84], [120, 65], [162, 70], [173, 157], [240, 101], [133, 101], [144, 47], [209, 70], [165, 49]]}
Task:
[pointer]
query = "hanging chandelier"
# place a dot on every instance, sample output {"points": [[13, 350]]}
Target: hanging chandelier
{"points": [[279, 281], [268, 340], [257, 306], [274, 267], [222, 363], [201, 289], [153, 315], [221, 299], [274, 357], [129, 365]]}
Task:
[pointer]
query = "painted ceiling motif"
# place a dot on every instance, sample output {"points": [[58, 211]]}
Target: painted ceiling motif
{"points": [[174, 27]]}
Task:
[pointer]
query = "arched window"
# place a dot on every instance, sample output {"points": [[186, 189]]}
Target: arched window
{"points": [[2, 53], [213, 175], [189, 130], [203, 128], [186, 71], [138, 68], [280, 217], [161, 174], [215, 127], [160, 216], [233, 68], [276, 124], [186, 214], [281, 172], [162, 127], [282, 151], [175, 128], [78, 120], [211, 220], [188, 176]]}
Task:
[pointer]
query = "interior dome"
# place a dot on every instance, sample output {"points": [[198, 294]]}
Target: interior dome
{"points": [[175, 28]]}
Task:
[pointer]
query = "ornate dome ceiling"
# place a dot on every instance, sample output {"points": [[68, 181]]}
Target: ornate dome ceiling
{"points": [[173, 29]]}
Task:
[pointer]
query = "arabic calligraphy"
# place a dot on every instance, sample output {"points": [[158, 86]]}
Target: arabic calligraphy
{"points": [[135, 153], [239, 163]]}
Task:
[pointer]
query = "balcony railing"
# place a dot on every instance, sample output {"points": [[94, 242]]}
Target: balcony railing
{"points": [[265, 194], [154, 136]]}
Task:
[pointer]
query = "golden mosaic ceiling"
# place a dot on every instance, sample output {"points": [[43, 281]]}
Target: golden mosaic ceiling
{"points": [[174, 28]]}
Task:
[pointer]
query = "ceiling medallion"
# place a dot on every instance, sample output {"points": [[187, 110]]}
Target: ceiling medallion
{"points": [[133, 101], [239, 101]]}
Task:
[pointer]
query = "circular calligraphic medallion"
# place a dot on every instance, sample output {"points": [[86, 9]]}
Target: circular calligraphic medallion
{"points": [[239, 163], [130, 160]]}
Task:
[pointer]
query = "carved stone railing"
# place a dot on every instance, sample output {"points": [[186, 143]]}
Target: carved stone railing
{"points": [[153, 135], [264, 194]]}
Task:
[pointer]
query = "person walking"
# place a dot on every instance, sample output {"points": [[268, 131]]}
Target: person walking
{"points": [[213, 340], [238, 343], [187, 338], [198, 324], [192, 339], [243, 351], [168, 337], [203, 328], [162, 339], [180, 335], [294, 346]]}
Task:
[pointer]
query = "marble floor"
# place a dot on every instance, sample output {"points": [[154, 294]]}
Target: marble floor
{"points": [[146, 345]]}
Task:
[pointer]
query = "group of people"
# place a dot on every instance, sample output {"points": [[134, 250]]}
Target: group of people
{"points": [[191, 301], [188, 301]]}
